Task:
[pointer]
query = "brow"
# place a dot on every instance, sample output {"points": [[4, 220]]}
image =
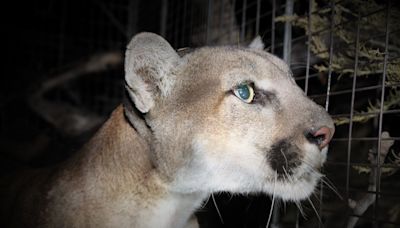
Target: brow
{"points": [[266, 57], [264, 98]]}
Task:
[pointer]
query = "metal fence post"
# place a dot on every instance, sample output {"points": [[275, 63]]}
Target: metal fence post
{"points": [[287, 39], [163, 18]]}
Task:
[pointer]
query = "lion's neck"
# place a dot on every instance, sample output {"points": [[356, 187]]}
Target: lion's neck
{"points": [[119, 159], [117, 147]]}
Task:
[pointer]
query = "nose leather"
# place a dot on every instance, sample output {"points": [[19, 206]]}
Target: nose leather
{"points": [[326, 136], [321, 137]]}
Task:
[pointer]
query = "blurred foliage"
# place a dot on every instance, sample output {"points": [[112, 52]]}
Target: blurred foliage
{"points": [[372, 20], [393, 100]]}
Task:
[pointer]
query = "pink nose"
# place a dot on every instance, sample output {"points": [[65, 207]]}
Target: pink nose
{"points": [[323, 136]]}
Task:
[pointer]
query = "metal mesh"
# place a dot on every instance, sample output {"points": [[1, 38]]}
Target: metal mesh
{"points": [[344, 54]]}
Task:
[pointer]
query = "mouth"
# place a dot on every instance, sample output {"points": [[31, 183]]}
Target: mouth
{"points": [[295, 187]]}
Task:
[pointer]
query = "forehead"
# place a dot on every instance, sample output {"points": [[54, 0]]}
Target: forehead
{"points": [[232, 64]]}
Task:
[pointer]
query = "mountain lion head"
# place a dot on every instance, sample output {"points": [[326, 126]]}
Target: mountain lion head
{"points": [[226, 119]]}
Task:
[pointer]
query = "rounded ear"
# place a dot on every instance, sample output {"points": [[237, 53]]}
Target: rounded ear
{"points": [[149, 60], [257, 44]]}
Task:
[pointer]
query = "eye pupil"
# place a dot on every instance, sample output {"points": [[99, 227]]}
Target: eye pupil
{"points": [[244, 92]]}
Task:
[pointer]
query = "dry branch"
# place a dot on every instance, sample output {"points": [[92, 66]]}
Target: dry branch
{"points": [[371, 52], [393, 100]]}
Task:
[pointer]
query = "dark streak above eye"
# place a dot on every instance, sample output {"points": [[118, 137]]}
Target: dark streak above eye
{"points": [[264, 97]]}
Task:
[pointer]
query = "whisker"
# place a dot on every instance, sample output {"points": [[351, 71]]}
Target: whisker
{"points": [[324, 180], [205, 202], [298, 205], [273, 201], [284, 156], [317, 197], [315, 210], [216, 207], [230, 196], [287, 175], [331, 187]]}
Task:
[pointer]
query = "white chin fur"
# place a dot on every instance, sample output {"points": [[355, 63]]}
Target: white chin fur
{"points": [[295, 190]]}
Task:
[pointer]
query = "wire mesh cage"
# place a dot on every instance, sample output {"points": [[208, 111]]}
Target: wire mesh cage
{"points": [[344, 54]]}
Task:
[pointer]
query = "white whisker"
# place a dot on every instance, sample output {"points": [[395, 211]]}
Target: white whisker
{"points": [[324, 180], [298, 205], [315, 210], [205, 202], [273, 201], [316, 195], [284, 156], [331, 186], [287, 175], [329, 183], [230, 196], [216, 207]]}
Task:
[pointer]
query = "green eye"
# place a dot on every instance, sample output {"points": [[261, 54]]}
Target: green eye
{"points": [[245, 92]]}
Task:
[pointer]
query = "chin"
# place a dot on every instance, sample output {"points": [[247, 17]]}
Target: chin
{"points": [[295, 189]]}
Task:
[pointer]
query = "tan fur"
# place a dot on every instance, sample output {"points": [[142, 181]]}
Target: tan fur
{"points": [[196, 138]]}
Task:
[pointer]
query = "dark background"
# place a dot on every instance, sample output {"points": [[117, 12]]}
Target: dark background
{"points": [[44, 39]]}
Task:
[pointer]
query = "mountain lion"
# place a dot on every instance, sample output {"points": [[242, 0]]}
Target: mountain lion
{"points": [[215, 119]]}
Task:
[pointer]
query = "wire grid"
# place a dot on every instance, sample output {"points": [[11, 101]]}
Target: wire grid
{"points": [[343, 96]]}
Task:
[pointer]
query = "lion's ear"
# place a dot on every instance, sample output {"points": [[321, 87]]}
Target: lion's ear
{"points": [[257, 44], [149, 60]]}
